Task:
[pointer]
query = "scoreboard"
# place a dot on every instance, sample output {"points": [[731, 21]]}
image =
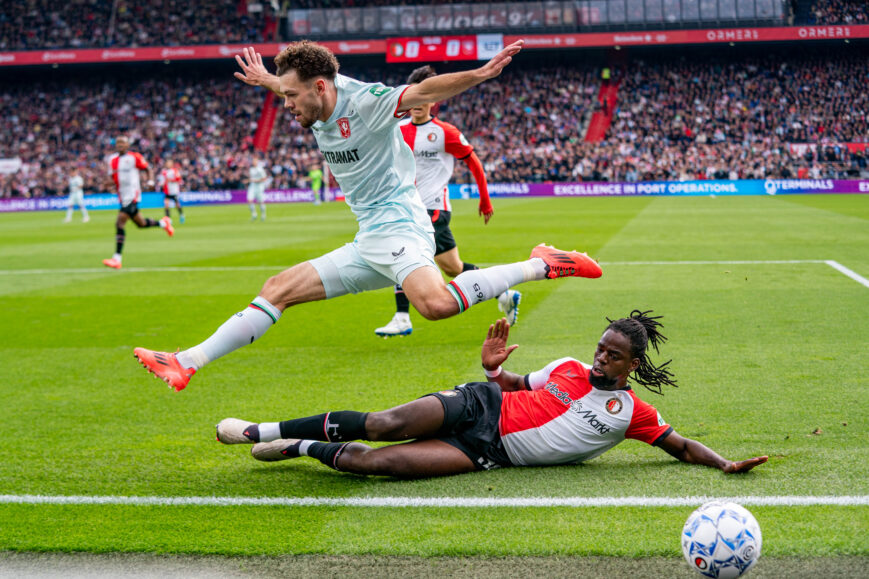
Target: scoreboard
{"points": [[443, 48]]}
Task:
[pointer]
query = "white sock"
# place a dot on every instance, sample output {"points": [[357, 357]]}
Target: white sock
{"points": [[269, 431], [69, 213], [252, 210], [240, 330], [479, 285], [262, 209], [303, 447], [117, 256], [84, 212]]}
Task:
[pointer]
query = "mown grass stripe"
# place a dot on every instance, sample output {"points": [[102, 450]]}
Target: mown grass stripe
{"points": [[429, 502]]}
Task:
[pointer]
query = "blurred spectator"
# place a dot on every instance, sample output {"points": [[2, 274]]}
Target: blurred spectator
{"points": [[839, 12]]}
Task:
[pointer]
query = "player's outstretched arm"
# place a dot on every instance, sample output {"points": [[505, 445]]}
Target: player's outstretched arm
{"points": [[254, 72], [495, 352], [476, 167], [444, 86], [694, 452]]}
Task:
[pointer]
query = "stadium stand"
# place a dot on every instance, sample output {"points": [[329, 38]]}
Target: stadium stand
{"points": [[749, 116], [839, 12]]}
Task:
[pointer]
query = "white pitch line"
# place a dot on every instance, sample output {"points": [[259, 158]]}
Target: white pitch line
{"points": [[271, 267], [834, 264], [436, 502], [850, 273]]}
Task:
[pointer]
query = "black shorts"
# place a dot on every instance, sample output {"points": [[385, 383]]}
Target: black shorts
{"points": [[172, 198], [444, 240], [131, 209], [471, 415]]}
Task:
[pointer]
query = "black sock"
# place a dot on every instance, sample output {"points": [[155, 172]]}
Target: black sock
{"points": [[468, 266], [325, 452], [151, 222], [120, 236], [402, 304], [332, 426], [180, 211], [167, 211]]}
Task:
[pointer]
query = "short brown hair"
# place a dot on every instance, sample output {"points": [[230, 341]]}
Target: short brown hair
{"points": [[308, 59], [420, 74]]}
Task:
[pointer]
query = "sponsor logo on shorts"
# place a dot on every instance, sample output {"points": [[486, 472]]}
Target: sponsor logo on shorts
{"points": [[399, 253], [448, 393]]}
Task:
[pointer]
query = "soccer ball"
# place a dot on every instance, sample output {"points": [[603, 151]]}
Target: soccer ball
{"points": [[721, 539]]}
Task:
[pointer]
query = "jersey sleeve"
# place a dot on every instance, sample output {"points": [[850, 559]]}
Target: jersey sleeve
{"points": [[537, 380], [379, 105], [455, 142], [141, 163], [646, 423]]}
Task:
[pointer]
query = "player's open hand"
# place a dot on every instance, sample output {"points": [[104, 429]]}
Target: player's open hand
{"points": [[494, 67], [495, 350], [254, 72], [486, 214], [745, 465]]}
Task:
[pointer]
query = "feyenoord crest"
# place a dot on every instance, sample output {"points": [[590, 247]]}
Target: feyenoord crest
{"points": [[344, 126], [613, 405]]}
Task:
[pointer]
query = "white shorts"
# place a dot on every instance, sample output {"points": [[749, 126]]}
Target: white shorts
{"points": [[373, 261], [255, 196], [76, 199]]}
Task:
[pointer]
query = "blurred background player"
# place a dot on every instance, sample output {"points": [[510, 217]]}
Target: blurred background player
{"points": [[436, 145], [315, 176], [76, 196], [170, 182], [124, 168], [256, 187]]}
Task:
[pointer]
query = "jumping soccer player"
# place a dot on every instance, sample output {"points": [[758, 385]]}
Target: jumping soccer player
{"points": [[356, 127], [76, 196], [566, 413], [170, 181], [124, 167], [257, 178], [436, 145]]}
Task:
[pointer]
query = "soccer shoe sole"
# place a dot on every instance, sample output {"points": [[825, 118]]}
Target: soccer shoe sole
{"points": [[272, 451], [178, 381], [232, 431], [384, 334], [112, 263], [512, 312], [566, 263]]}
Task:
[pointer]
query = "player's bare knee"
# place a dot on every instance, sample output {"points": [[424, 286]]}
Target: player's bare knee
{"points": [[438, 307], [385, 425]]}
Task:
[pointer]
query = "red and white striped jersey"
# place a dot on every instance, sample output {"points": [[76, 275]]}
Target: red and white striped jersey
{"points": [[124, 171], [170, 179], [564, 419], [436, 145]]}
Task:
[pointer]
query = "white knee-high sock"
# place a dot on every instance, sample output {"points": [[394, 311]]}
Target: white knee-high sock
{"points": [[239, 330], [478, 285]]}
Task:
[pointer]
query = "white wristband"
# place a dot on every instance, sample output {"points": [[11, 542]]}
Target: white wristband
{"points": [[494, 373]]}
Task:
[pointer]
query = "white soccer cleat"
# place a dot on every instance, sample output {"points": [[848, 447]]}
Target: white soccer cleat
{"points": [[235, 431], [275, 450], [399, 325], [508, 302]]}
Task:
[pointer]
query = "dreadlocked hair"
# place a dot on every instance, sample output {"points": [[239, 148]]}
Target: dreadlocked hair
{"points": [[642, 329]]}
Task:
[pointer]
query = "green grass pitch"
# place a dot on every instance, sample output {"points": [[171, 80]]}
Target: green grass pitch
{"points": [[771, 359]]}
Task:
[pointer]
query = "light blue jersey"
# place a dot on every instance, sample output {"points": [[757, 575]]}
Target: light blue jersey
{"points": [[365, 151]]}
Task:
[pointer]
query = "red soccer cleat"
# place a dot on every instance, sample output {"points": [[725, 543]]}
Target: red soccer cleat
{"points": [[112, 262], [166, 367], [167, 225], [566, 263]]}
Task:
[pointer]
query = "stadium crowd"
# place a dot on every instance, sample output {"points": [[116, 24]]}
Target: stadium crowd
{"points": [[51, 24], [839, 12], [676, 119], [42, 24]]}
